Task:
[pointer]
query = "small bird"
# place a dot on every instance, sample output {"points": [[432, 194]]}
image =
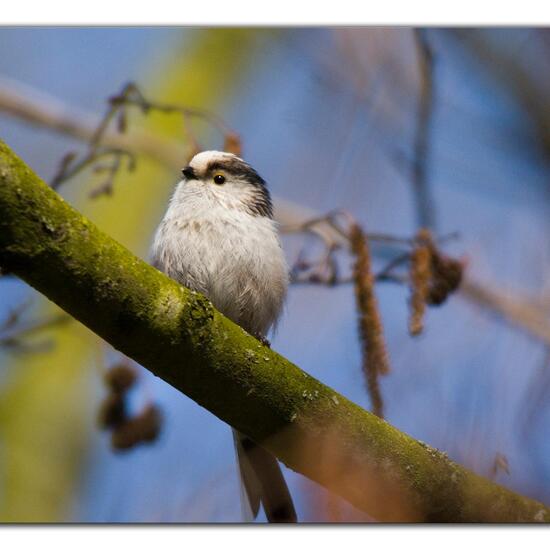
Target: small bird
{"points": [[218, 237]]}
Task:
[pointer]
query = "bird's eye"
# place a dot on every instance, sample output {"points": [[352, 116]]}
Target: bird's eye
{"points": [[219, 179]]}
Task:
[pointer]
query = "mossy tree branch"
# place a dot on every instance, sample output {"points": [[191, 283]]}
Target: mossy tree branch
{"points": [[180, 337]]}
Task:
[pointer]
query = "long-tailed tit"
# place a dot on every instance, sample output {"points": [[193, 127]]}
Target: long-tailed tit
{"points": [[218, 237]]}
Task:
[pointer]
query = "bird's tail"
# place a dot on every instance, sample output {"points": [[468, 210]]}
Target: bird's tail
{"points": [[262, 482]]}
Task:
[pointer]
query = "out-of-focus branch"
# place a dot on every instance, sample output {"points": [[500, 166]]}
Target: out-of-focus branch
{"points": [[14, 329], [513, 73], [520, 311], [131, 96], [43, 110], [14, 339], [422, 193], [179, 336], [19, 100], [334, 237]]}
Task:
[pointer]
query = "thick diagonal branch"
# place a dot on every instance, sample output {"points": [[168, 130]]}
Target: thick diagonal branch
{"points": [[179, 336]]}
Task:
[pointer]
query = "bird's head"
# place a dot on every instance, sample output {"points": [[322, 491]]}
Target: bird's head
{"points": [[229, 180]]}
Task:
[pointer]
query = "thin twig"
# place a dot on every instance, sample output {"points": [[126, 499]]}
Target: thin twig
{"points": [[69, 169], [522, 311], [424, 200], [11, 336], [335, 236], [45, 111], [38, 108], [130, 95]]}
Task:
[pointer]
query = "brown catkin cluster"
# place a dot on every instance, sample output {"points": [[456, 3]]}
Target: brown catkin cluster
{"points": [[143, 428], [433, 277], [127, 432], [375, 356], [446, 278], [420, 276]]}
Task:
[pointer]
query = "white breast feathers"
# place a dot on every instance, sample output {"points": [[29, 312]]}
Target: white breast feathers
{"points": [[234, 258]]}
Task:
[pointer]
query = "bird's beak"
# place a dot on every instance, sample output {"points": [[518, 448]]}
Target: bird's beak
{"points": [[188, 173]]}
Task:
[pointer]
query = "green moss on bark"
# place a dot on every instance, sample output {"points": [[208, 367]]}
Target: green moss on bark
{"points": [[179, 336]]}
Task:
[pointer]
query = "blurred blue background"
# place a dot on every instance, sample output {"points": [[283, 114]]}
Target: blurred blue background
{"points": [[329, 117]]}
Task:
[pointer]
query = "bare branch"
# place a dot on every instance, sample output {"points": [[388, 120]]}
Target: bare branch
{"points": [[131, 96], [13, 330], [325, 270], [45, 111], [521, 311], [424, 200]]}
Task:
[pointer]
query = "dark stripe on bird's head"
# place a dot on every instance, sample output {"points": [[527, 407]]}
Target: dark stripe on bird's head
{"points": [[236, 167], [261, 204]]}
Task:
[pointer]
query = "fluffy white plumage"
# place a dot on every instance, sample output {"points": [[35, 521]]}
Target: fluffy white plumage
{"points": [[212, 240]]}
